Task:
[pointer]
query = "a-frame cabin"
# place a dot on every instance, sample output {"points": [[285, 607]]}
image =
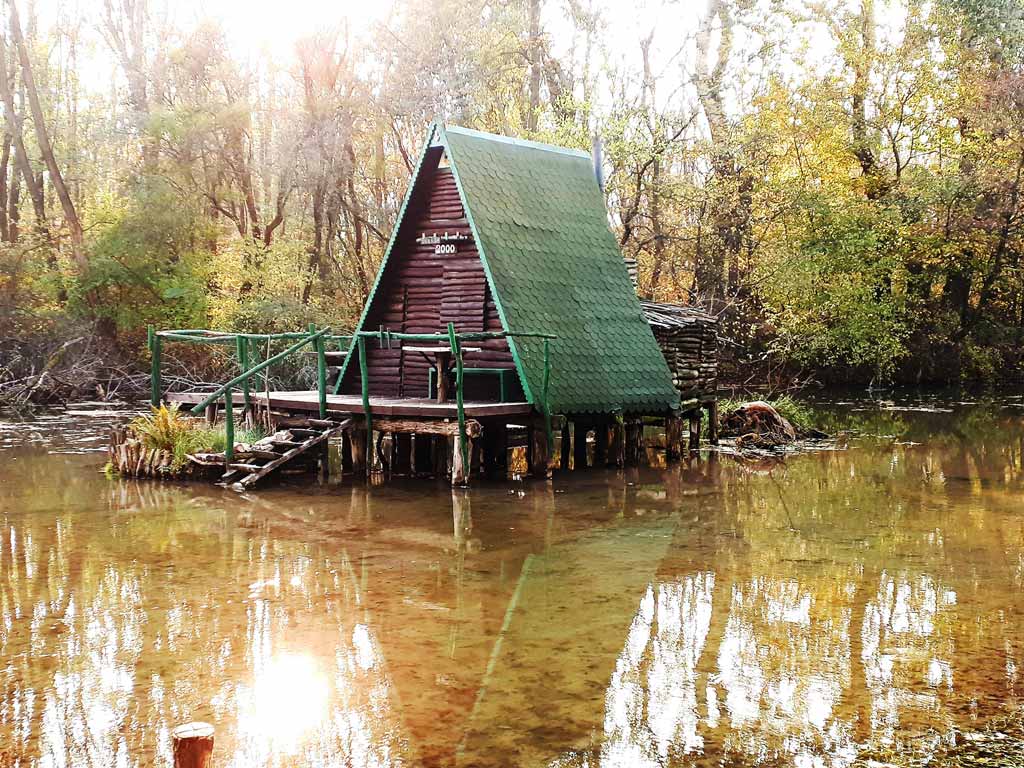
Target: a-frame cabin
{"points": [[503, 235], [502, 274]]}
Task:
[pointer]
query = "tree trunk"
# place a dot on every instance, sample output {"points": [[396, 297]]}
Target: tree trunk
{"points": [[74, 224]]}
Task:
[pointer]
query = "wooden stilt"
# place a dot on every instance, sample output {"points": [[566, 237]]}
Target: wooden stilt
{"points": [[357, 450], [713, 422], [673, 438], [601, 437], [211, 414], [695, 429], [423, 445], [495, 449], [540, 460], [192, 745], [565, 445], [617, 444], [579, 445], [440, 453], [460, 472], [346, 453], [634, 441], [401, 453]]}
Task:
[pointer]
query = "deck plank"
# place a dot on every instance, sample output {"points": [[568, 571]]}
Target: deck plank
{"points": [[308, 400]]}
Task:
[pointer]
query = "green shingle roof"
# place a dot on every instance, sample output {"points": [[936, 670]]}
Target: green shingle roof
{"points": [[542, 228]]}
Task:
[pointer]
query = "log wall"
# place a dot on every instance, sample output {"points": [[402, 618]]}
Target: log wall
{"points": [[421, 292]]}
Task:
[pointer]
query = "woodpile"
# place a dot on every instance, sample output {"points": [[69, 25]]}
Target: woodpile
{"points": [[758, 425], [688, 339]]}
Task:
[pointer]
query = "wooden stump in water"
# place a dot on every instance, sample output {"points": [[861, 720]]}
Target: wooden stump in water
{"points": [[601, 435], [193, 745], [713, 422]]}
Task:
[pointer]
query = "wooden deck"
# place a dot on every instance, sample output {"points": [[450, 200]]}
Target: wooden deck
{"points": [[308, 401]]}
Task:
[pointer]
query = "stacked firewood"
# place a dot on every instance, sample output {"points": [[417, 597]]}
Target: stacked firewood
{"points": [[688, 339]]}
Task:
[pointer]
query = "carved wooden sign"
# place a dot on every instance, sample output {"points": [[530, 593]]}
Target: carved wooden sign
{"points": [[445, 243]]}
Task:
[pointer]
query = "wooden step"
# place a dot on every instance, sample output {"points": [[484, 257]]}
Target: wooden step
{"points": [[315, 439]]}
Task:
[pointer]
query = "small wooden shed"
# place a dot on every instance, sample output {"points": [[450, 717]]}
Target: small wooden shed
{"points": [[506, 235]]}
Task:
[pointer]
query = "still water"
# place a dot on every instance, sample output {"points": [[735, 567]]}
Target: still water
{"points": [[799, 612]]}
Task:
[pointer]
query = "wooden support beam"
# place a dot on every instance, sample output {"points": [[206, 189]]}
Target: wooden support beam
{"points": [[346, 452], [461, 470], [673, 438], [713, 422], [420, 426], [442, 447], [601, 439], [495, 448], [539, 458], [357, 450], [422, 445], [402, 453], [579, 444], [617, 444], [565, 446], [695, 429], [634, 441]]}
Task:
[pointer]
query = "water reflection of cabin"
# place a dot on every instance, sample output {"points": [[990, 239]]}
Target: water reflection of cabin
{"points": [[509, 240]]}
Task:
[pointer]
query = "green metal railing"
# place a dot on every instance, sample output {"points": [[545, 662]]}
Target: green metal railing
{"points": [[319, 340], [242, 343], [455, 342]]}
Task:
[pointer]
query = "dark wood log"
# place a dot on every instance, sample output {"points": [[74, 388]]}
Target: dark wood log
{"points": [[565, 447], [713, 422], [601, 435], [192, 745]]}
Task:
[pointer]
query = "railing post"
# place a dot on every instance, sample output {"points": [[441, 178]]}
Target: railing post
{"points": [[321, 371], [229, 428], [453, 342], [242, 350], [153, 339], [364, 381]]}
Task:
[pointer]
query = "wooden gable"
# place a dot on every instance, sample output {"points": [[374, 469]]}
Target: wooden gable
{"points": [[433, 276]]}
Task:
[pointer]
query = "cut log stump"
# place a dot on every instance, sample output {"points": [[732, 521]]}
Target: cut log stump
{"points": [[193, 745]]}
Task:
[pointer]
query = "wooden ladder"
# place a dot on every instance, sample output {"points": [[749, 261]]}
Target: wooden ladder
{"points": [[242, 476]]}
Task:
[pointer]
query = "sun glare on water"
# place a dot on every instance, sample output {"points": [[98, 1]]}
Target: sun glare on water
{"points": [[289, 700]]}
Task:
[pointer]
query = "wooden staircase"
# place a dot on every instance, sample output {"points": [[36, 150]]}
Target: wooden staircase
{"points": [[277, 450]]}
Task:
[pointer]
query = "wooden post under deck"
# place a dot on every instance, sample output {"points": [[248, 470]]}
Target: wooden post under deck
{"points": [[401, 453], [495, 448], [634, 441], [695, 429], [616, 444], [357, 448], [713, 422], [422, 461], [601, 435], [579, 444], [673, 437], [565, 445], [540, 459]]}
